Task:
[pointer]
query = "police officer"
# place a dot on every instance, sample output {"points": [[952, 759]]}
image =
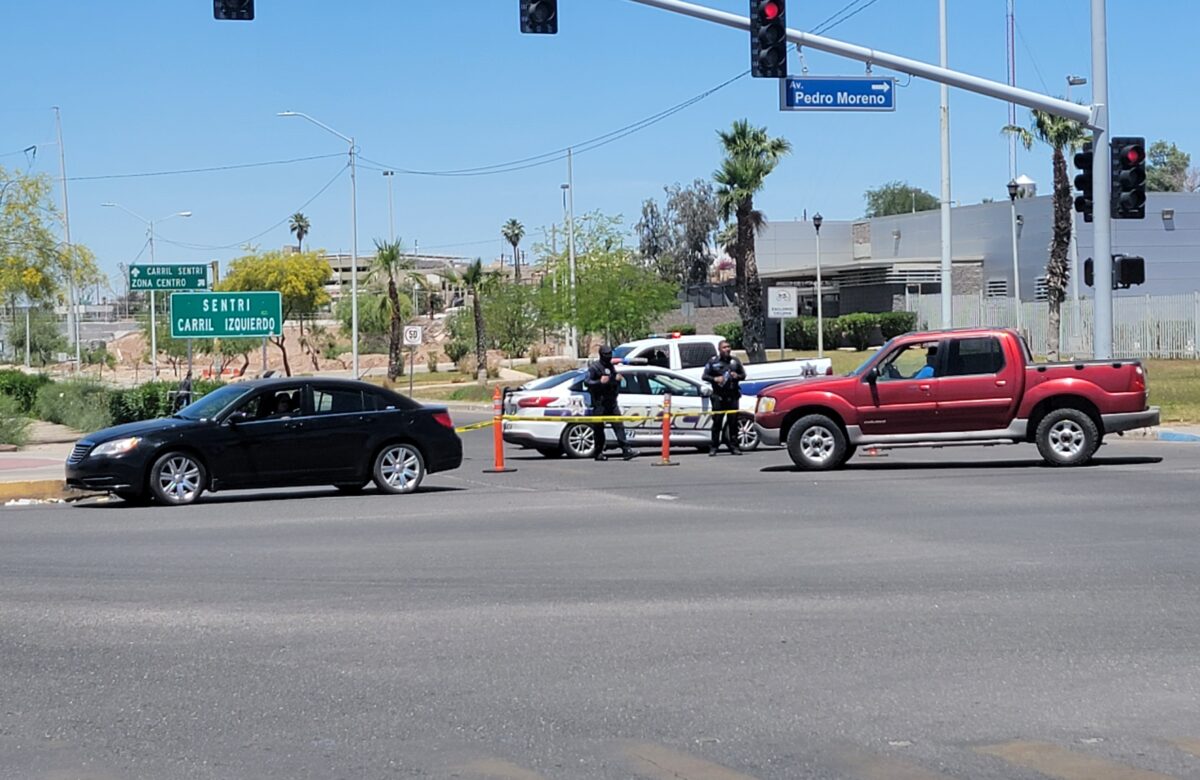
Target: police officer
{"points": [[602, 383], [725, 373]]}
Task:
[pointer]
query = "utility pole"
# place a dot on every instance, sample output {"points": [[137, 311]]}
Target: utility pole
{"points": [[72, 311], [574, 334], [391, 223], [1101, 185], [947, 247], [1010, 21]]}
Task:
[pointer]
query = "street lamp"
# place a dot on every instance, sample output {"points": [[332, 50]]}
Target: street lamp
{"points": [[817, 220], [353, 235], [389, 175], [149, 223], [1013, 190], [1075, 81], [569, 205]]}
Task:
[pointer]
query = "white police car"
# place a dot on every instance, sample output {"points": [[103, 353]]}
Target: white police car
{"points": [[545, 408]]}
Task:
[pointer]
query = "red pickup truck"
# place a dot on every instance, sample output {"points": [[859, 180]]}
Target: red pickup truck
{"points": [[974, 386]]}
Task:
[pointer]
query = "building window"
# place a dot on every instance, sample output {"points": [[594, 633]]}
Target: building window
{"points": [[996, 288], [1039, 289]]}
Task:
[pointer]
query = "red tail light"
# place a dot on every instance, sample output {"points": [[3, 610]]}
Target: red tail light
{"points": [[443, 418], [1139, 379], [829, 371], [536, 402]]}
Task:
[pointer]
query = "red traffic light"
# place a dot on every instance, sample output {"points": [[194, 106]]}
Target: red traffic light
{"points": [[1134, 155], [770, 11]]}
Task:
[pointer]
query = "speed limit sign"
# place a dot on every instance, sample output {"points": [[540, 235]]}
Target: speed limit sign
{"points": [[413, 335]]}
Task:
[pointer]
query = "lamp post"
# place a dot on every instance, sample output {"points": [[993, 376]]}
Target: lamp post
{"points": [[569, 202], [817, 220], [353, 235], [1013, 189], [391, 224], [1077, 318], [149, 223]]}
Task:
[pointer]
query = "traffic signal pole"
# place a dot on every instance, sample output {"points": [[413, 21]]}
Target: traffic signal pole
{"points": [[1094, 117]]}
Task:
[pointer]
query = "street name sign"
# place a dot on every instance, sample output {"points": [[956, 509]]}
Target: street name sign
{"points": [[196, 315], [837, 93], [782, 303], [168, 277]]}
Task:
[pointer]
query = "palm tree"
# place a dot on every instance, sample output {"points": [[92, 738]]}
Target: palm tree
{"points": [[389, 264], [476, 280], [1059, 134], [298, 225], [513, 231], [750, 156]]}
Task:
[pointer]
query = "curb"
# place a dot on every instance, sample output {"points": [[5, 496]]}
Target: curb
{"points": [[38, 489], [1162, 434], [457, 406], [1177, 436]]}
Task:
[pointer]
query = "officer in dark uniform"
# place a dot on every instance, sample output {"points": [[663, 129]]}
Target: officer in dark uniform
{"points": [[602, 384], [725, 373]]}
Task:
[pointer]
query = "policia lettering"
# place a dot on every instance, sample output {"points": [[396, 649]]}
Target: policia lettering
{"points": [[725, 373]]}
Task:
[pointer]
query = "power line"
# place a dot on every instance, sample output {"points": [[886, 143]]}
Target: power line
{"points": [[212, 169], [262, 233]]}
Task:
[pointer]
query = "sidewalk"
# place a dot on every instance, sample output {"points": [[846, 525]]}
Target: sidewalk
{"points": [[36, 470]]}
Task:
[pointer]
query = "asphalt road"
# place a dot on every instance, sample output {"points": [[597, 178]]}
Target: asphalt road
{"points": [[961, 613]]}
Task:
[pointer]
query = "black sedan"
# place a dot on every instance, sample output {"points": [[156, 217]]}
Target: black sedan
{"points": [[271, 433]]}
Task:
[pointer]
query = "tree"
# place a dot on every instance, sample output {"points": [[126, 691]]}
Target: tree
{"points": [[513, 231], [750, 156], [477, 281], [655, 243], [511, 315], [1059, 134], [390, 263], [1167, 168], [898, 197], [300, 279], [298, 225], [677, 239], [622, 300], [29, 257], [45, 338]]}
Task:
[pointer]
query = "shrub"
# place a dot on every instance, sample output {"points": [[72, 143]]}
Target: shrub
{"points": [[13, 422], [456, 350], [731, 332], [78, 403], [22, 388], [833, 330], [858, 327], [801, 333], [683, 330], [151, 400], [431, 361], [897, 323]]}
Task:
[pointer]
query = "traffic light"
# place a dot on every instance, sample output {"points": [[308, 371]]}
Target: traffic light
{"points": [[1089, 273], [539, 17], [1128, 178], [236, 10], [1128, 271], [768, 39], [1083, 183]]}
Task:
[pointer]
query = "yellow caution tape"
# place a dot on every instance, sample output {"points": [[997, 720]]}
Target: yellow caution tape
{"points": [[593, 419], [474, 426]]}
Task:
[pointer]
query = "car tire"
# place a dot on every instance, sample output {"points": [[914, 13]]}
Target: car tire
{"points": [[399, 468], [1067, 437], [816, 443], [746, 434], [350, 487], [550, 452], [177, 478], [579, 441]]}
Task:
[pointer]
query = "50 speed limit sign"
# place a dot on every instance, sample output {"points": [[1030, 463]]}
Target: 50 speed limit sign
{"points": [[413, 335]]}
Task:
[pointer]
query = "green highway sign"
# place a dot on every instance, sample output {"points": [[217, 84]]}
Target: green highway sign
{"points": [[205, 315], [168, 277]]}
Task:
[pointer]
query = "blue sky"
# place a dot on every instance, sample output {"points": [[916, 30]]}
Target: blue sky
{"points": [[149, 86]]}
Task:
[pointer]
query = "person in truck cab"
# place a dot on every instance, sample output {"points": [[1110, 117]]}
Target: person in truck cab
{"points": [[927, 371]]}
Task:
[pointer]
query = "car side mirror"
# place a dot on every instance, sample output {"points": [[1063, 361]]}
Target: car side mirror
{"points": [[873, 375], [705, 390], [239, 416]]}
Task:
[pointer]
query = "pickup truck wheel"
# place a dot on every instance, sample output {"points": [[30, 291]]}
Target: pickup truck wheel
{"points": [[747, 435], [816, 443], [1067, 437]]}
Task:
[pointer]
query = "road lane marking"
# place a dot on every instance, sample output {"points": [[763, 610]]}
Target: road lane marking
{"points": [[497, 769], [1054, 761], [662, 763]]}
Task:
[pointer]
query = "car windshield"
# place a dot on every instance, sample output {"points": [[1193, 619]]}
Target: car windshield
{"points": [[863, 366], [550, 381], [208, 406]]}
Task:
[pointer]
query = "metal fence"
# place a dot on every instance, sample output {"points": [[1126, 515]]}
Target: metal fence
{"points": [[1149, 326]]}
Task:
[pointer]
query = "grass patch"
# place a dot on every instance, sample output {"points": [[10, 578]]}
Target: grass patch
{"points": [[1175, 387], [843, 361], [468, 392], [14, 424]]}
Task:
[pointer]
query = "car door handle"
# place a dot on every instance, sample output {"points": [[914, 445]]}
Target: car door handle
{"points": [[294, 425], [1001, 382], [924, 388]]}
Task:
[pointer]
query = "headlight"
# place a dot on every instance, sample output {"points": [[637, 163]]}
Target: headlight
{"points": [[116, 447], [766, 405]]}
